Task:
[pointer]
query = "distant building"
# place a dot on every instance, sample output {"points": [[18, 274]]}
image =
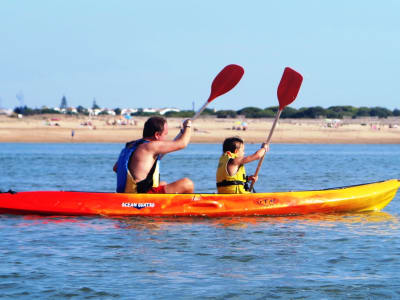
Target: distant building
{"points": [[128, 111], [94, 112], [6, 112], [72, 110], [109, 111], [165, 110], [149, 110]]}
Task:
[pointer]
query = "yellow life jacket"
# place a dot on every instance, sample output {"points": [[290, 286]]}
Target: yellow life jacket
{"points": [[227, 184], [143, 186]]}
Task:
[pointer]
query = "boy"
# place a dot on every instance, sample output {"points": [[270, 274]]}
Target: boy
{"points": [[231, 174]]}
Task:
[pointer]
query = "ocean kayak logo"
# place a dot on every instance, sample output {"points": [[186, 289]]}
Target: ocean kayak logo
{"points": [[137, 205], [267, 202]]}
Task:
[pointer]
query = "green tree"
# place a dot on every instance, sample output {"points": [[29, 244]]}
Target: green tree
{"points": [[363, 112], [117, 111], [380, 112], [346, 110], [82, 110], [226, 114], [314, 112], [274, 109], [24, 110], [46, 110], [329, 113], [179, 114], [249, 112], [208, 111], [288, 112]]}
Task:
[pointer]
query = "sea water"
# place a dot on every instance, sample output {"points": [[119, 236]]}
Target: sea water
{"points": [[341, 256]]}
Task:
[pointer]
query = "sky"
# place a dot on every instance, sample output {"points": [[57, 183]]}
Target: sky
{"points": [[150, 53]]}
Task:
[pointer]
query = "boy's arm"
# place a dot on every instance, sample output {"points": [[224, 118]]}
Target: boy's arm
{"points": [[255, 156]]}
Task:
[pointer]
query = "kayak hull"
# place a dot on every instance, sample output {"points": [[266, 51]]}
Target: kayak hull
{"points": [[360, 198]]}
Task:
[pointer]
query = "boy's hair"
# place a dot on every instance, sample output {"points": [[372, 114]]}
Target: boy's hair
{"points": [[153, 125], [231, 144]]}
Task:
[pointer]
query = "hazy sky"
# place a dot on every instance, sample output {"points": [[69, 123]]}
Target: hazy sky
{"points": [[166, 53]]}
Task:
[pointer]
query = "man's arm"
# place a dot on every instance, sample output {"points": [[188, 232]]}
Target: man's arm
{"points": [[164, 147]]}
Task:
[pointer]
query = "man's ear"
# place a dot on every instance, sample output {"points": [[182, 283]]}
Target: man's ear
{"points": [[157, 135]]}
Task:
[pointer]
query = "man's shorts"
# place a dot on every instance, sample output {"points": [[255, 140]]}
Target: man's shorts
{"points": [[157, 190]]}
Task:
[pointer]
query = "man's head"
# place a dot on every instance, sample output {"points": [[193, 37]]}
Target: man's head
{"points": [[155, 128], [234, 145]]}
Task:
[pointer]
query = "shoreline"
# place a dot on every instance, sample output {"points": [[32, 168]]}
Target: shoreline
{"points": [[105, 129]]}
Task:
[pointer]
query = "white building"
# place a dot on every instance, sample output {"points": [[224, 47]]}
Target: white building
{"points": [[149, 110], [165, 110], [6, 112], [128, 111]]}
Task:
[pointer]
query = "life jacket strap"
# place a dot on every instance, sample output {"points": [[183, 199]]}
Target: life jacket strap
{"points": [[231, 182]]}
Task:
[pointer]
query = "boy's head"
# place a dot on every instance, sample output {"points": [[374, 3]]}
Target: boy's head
{"points": [[233, 145], [155, 127]]}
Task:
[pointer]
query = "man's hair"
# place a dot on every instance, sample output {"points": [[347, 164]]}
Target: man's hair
{"points": [[153, 125], [231, 144]]}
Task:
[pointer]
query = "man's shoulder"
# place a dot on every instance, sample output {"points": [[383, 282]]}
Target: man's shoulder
{"points": [[147, 146]]}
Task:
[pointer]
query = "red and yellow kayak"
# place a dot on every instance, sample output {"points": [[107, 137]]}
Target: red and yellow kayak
{"points": [[360, 198]]}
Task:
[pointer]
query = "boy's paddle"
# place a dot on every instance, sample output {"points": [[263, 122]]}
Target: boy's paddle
{"points": [[288, 89]]}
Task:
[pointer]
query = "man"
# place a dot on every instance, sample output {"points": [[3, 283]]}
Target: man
{"points": [[137, 165]]}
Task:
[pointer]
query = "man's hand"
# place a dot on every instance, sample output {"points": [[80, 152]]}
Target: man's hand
{"points": [[187, 123]]}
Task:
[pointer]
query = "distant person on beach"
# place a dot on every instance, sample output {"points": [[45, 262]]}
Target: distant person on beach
{"points": [[137, 167], [231, 174], [244, 125]]}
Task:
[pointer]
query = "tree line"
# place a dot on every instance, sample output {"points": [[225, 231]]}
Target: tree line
{"points": [[315, 112]]}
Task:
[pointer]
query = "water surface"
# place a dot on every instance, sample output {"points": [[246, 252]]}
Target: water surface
{"points": [[346, 256]]}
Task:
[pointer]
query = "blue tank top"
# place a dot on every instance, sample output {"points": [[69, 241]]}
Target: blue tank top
{"points": [[123, 163]]}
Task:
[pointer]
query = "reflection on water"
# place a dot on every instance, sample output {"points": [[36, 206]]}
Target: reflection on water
{"points": [[159, 223]]}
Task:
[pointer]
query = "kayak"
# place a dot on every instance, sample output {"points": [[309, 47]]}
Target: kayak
{"points": [[360, 198]]}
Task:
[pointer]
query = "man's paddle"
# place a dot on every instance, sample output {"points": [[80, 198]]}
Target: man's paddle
{"points": [[288, 89], [226, 80]]}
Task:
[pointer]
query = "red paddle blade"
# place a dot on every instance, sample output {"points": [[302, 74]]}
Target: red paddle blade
{"points": [[225, 81], [289, 87]]}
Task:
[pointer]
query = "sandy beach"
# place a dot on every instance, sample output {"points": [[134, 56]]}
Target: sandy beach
{"points": [[106, 129]]}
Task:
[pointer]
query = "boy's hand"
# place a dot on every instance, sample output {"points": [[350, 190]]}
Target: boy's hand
{"points": [[252, 178], [265, 146]]}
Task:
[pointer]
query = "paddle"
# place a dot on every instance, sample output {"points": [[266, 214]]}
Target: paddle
{"points": [[226, 80], [288, 89]]}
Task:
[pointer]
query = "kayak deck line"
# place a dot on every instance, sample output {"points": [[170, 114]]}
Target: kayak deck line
{"points": [[10, 191], [356, 198]]}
